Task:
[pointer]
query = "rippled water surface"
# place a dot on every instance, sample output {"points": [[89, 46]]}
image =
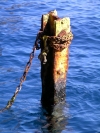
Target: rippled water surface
{"points": [[19, 24]]}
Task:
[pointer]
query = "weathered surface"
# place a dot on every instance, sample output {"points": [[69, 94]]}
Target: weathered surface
{"points": [[56, 120], [54, 70], [59, 73], [44, 21]]}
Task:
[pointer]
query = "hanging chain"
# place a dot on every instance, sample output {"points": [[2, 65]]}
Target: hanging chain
{"points": [[58, 43], [23, 78]]}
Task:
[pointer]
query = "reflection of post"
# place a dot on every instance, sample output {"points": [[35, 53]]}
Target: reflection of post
{"points": [[1, 51], [56, 119], [54, 58]]}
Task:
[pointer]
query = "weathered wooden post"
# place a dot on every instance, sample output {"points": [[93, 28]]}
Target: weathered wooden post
{"points": [[54, 42]]}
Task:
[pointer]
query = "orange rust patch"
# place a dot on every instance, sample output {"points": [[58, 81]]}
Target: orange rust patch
{"points": [[60, 64]]}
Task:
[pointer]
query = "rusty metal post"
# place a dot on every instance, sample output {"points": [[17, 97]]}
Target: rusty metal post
{"points": [[54, 43]]}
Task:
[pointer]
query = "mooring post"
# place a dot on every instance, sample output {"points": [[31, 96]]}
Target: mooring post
{"points": [[55, 40]]}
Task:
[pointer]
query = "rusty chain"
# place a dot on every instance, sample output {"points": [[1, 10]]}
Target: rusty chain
{"points": [[61, 41], [23, 78], [57, 42]]}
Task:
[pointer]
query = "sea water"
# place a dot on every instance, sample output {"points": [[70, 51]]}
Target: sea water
{"points": [[19, 23]]}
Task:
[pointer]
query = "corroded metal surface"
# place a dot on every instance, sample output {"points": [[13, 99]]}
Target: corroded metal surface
{"points": [[54, 71], [59, 74]]}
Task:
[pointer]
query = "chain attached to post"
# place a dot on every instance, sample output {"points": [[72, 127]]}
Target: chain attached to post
{"points": [[59, 43], [23, 78]]}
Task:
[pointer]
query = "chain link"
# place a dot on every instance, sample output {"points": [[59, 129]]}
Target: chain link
{"points": [[58, 43], [23, 78]]}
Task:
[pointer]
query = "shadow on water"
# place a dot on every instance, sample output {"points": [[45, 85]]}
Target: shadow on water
{"points": [[56, 119]]}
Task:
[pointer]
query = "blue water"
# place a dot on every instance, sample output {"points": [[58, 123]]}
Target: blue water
{"points": [[19, 24]]}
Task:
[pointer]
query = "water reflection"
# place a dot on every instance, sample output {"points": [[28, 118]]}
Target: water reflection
{"points": [[1, 49], [34, 119], [56, 119]]}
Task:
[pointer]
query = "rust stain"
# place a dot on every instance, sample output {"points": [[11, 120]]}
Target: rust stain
{"points": [[60, 64], [54, 72]]}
